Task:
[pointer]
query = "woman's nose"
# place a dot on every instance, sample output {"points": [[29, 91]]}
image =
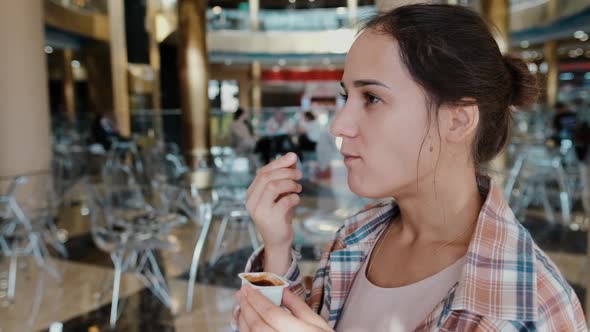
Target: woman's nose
{"points": [[344, 124]]}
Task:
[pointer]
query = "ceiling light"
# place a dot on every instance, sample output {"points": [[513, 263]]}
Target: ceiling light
{"points": [[584, 37], [533, 67], [525, 44], [75, 63], [578, 34], [217, 10], [543, 67], [566, 76], [48, 49]]}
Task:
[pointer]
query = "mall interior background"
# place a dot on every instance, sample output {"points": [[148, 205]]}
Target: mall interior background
{"points": [[165, 77]]}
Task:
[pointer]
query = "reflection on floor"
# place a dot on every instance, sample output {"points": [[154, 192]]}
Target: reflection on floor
{"points": [[82, 301]]}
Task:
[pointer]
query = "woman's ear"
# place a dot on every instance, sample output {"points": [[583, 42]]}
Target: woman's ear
{"points": [[461, 121]]}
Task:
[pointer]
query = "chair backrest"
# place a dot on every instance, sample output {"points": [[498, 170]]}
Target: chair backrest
{"points": [[105, 233]]}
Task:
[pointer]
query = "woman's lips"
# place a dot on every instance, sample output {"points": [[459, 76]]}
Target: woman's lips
{"points": [[349, 158]]}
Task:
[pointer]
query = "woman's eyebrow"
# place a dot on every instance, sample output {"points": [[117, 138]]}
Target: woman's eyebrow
{"points": [[365, 82]]}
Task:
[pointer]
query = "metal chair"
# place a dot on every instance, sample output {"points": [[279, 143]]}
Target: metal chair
{"points": [[534, 169], [131, 236], [24, 231]]}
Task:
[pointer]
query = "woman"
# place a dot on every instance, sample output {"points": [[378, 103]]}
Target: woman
{"points": [[242, 133], [428, 100]]}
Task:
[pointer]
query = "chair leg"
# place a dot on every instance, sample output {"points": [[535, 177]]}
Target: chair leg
{"points": [[546, 204], [38, 300], [219, 240], [585, 180], [116, 285], [564, 199], [43, 257], [564, 196], [158, 283], [195, 263], [12, 276]]}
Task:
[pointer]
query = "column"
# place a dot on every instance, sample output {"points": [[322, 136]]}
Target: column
{"points": [[98, 67], [154, 55], [550, 54], [254, 8], [352, 6], [24, 101], [552, 78], [497, 12], [69, 85], [256, 66], [256, 85], [194, 81], [119, 66]]}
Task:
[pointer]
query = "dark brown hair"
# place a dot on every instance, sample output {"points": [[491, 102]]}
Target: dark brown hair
{"points": [[450, 52]]}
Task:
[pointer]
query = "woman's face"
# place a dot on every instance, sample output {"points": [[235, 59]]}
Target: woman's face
{"points": [[384, 124]]}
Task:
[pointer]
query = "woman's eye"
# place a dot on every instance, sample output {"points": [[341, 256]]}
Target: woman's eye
{"points": [[370, 99], [344, 96]]}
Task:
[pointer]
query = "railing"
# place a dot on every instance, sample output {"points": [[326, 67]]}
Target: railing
{"points": [[84, 6], [287, 20]]}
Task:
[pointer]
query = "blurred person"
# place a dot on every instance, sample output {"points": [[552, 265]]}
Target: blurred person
{"points": [[278, 124], [582, 131], [309, 132], [243, 139], [422, 114], [564, 122], [104, 131], [327, 151], [278, 140]]}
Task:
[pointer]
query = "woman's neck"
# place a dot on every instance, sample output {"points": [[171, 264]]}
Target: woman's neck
{"points": [[442, 208]]}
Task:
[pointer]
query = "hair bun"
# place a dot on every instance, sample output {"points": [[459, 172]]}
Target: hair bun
{"points": [[524, 88]]}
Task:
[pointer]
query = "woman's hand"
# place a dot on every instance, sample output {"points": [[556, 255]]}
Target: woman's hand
{"points": [[258, 314], [271, 198]]}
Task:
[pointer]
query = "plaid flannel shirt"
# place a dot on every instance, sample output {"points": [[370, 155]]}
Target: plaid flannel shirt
{"points": [[507, 282]]}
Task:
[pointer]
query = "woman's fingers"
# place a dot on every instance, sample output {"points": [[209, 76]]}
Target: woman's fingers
{"points": [[274, 316], [276, 190], [287, 160], [301, 310], [287, 202], [254, 321], [242, 325], [261, 182]]}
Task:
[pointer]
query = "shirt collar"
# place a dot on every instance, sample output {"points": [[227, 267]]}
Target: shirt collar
{"points": [[499, 276]]}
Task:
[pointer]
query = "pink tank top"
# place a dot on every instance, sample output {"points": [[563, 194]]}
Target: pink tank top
{"points": [[372, 308]]}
